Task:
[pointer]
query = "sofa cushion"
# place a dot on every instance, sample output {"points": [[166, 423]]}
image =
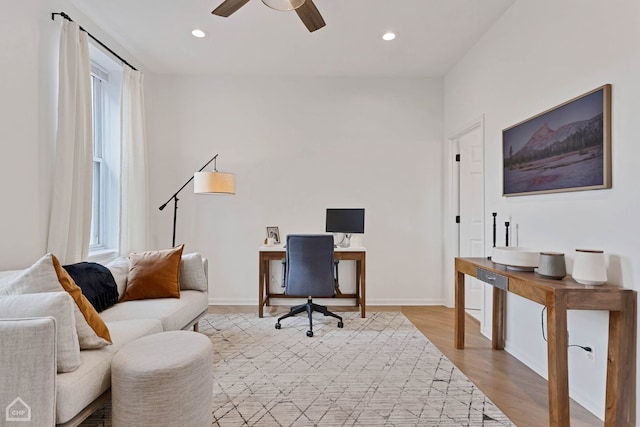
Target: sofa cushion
{"points": [[92, 332], [154, 274], [43, 277], [6, 277], [76, 390], [39, 277], [192, 276], [58, 305], [174, 313], [97, 283], [119, 269]]}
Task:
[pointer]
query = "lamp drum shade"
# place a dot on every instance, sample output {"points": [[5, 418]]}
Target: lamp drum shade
{"points": [[214, 182], [283, 5]]}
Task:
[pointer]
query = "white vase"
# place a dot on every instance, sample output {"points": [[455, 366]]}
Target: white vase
{"points": [[589, 267]]}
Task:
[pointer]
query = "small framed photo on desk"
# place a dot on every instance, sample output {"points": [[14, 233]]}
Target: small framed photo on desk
{"points": [[273, 233]]}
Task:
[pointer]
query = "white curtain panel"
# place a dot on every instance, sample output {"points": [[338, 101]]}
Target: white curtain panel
{"points": [[70, 222], [134, 184]]}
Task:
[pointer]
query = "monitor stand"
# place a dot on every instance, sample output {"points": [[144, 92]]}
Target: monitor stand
{"points": [[345, 242]]}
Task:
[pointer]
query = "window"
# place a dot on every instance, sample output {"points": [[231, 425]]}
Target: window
{"points": [[99, 79], [106, 77]]}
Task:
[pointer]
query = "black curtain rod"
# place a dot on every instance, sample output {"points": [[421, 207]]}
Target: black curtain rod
{"points": [[68, 18]]}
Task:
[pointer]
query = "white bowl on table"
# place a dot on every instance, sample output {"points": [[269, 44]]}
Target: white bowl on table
{"points": [[516, 258]]}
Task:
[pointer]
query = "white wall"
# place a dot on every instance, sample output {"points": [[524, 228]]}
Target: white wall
{"points": [[25, 144], [298, 146], [29, 41], [538, 55]]}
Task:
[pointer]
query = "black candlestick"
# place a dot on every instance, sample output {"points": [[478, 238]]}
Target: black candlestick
{"points": [[494, 228], [506, 240]]}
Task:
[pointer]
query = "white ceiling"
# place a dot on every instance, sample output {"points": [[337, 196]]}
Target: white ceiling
{"points": [[432, 35]]}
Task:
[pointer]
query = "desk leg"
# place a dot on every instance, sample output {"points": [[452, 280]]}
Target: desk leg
{"points": [[358, 302], [459, 310], [363, 286], [621, 367], [267, 284], [260, 286], [499, 318], [557, 361]]}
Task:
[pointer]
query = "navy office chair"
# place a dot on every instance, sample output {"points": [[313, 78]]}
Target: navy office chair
{"points": [[309, 273]]}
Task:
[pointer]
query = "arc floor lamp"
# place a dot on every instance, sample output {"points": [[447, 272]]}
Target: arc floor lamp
{"points": [[204, 183]]}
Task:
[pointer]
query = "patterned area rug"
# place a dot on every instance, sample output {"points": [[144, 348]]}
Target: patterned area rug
{"points": [[378, 371]]}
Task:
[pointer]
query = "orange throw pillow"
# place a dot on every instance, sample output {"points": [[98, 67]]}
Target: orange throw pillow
{"points": [[154, 274], [88, 312]]}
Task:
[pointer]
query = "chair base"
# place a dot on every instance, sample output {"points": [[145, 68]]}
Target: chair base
{"points": [[309, 307]]}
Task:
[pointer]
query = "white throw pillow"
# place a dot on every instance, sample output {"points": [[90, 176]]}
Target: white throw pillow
{"points": [[119, 268], [192, 273], [58, 305], [42, 277], [7, 277]]}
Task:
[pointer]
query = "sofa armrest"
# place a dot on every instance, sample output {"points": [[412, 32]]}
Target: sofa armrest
{"points": [[28, 370]]}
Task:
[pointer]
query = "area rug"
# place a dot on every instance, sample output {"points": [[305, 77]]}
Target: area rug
{"points": [[378, 371]]}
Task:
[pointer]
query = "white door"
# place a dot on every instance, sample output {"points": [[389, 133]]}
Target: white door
{"points": [[471, 209]]}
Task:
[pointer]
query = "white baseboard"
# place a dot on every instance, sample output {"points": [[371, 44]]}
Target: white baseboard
{"points": [[402, 301], [233, 301], [330, 301]]}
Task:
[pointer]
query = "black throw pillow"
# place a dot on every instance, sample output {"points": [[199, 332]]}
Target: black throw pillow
{"points": [[97, 283]]}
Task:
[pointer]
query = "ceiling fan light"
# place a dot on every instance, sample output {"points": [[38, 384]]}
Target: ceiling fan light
{"points": [[283, 5]]}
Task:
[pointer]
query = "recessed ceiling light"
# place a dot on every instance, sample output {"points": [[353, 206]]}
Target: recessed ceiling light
{"points": [[198, 33], [388, 36]]}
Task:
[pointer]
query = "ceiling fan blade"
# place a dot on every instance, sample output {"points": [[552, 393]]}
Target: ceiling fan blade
{"points": [[310, 16], [227, 7]]}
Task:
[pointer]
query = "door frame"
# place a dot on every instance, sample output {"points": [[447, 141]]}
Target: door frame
{"points": [[452, 195]]}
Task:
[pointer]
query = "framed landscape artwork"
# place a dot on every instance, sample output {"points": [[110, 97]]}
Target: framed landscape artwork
{"points": [[566, 148]]}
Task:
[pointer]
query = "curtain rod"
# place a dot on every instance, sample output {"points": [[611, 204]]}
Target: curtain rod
{"points": [[68, 18]]}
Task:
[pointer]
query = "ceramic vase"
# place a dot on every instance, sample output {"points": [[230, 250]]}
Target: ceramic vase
{"points": [[552, 265], [589, 267]]}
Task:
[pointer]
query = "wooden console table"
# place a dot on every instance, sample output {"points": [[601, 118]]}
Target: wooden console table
{"points": [[558, 296], [278, 253]]}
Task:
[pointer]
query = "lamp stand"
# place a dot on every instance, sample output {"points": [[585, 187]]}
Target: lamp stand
{"points": [[175, 201]]}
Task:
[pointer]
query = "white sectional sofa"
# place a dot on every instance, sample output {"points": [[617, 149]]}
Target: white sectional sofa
{"points": [[30, 385]]}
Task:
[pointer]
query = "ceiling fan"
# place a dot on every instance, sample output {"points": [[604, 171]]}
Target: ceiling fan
{"points": [[305, 9]]}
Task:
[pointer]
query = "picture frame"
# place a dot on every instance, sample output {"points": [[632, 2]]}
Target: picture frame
{"points": [[565, 148], [275, 233]]}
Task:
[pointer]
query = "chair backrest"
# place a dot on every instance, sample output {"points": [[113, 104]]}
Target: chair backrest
{"points": [[309, 270]]}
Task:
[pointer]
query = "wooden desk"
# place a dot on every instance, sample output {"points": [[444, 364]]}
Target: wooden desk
{"points": [[558, 296], [277, 253]]}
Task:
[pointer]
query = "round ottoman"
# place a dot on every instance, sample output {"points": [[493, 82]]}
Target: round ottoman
{"points": [[165, 379]]}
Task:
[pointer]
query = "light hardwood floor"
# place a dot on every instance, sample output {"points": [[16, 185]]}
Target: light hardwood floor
{"points": [[518, 391]]}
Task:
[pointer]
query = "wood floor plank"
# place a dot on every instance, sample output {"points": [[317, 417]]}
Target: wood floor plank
{"points": [[517, 390]]}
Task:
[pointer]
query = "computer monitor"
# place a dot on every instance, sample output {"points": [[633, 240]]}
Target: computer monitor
{"points": [[345, 220]]}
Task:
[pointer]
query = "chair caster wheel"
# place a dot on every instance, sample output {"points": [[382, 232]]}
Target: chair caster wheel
{"points": [[309, 333], [278, 325], [340, 325]]}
